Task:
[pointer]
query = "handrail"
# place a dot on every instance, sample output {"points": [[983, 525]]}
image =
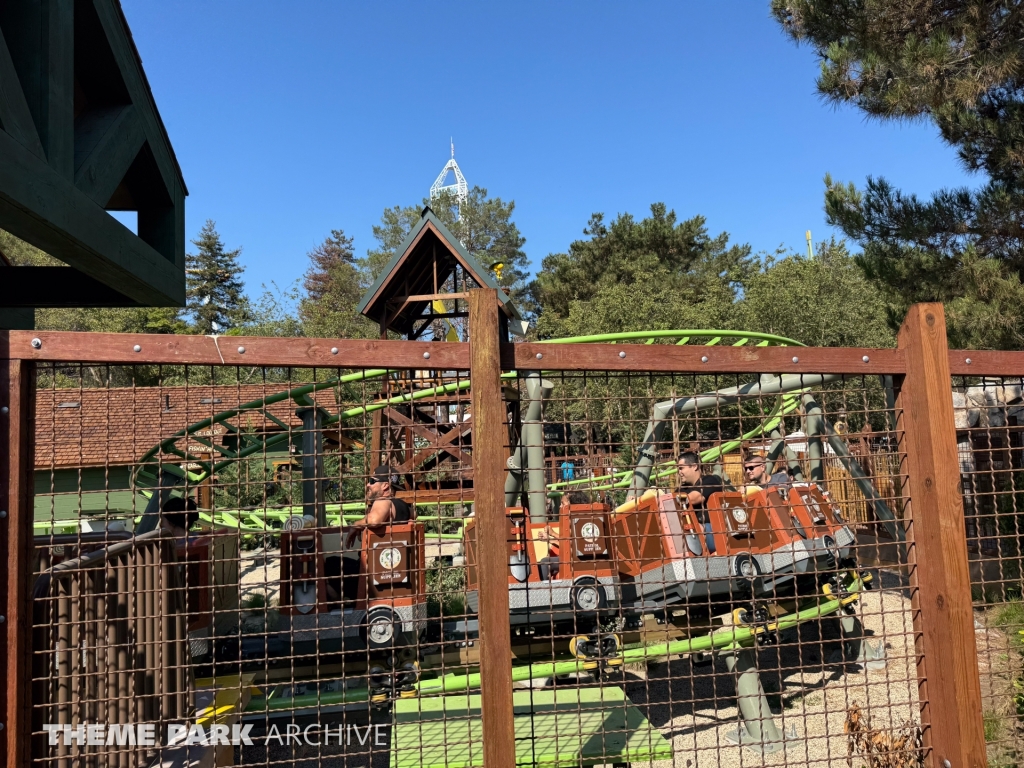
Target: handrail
{"points": [[91, 560]]}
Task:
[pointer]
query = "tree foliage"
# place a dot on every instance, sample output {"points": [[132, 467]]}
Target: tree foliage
{"points": [[215, 299], [333, 285], [824, 301], [109, 320], [634, 275], [959, 64]]}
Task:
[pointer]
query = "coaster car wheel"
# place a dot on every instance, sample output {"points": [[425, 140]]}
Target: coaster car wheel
{"points": [[588, 597]]}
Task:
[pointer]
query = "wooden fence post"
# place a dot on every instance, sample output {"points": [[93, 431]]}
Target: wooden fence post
{"points": [[947, 670], [489, 429], [16, 439]]}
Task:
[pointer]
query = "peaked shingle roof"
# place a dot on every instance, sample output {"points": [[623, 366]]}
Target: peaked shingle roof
{"points": [[410, 273]]}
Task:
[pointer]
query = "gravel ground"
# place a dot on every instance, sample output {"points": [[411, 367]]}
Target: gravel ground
{"points": [[695, 707]]}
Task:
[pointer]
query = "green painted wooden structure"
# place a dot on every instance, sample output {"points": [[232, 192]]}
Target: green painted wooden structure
{"points": [[555, 728], [80, 135]]}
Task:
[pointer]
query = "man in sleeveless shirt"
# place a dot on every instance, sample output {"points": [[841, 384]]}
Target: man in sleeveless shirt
{"points": [[384, 509]]}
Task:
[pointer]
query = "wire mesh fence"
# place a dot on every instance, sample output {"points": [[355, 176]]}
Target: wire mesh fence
{"points": [[989, 446], [278, 564], [316, 515]]}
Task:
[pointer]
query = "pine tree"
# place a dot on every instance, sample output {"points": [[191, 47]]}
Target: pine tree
{"points": [[215, 300], [334, 285], [959, 64]]}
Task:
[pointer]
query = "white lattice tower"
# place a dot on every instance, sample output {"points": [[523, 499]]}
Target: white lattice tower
{"points": [[460, 188]]}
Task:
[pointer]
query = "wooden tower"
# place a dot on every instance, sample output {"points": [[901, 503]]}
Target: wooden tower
{"points": [[422, 293]]}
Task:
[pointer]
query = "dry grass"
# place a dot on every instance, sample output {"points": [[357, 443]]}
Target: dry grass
{"points": [[898, 747]]}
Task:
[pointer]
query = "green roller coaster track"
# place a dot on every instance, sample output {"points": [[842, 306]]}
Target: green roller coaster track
{"points": [[155, 460], [724, 639]]}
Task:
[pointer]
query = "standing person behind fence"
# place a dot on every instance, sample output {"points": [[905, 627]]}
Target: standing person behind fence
{"points": [[698, 487], [178, 515]]}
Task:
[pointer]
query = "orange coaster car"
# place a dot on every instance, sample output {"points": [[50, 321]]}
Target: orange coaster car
{"points": [[389, 608], [564, 571], [820, 522]]}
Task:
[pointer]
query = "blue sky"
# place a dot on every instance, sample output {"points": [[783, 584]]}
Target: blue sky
{"points": [[290, 119]]}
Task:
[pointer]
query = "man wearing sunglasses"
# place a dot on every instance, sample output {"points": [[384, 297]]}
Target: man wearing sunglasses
{"points": [[755, 470], [383, 509], [698, 487]]}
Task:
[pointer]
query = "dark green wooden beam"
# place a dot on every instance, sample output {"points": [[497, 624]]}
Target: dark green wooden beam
{"points": [[59, 88], [105, 147], [15, 117], [56, 287], [17, 319], [119, 37], [41, 207]]}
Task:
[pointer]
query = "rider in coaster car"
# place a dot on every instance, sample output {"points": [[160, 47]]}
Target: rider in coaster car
{"points": [[755, 470], [698, 487], [384, 509]]}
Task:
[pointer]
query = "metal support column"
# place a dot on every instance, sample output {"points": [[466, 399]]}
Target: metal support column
{"points": [[757, 729], [313, 464]]}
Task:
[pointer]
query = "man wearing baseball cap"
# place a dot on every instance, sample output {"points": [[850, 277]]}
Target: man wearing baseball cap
{"points": [[384, 509]]}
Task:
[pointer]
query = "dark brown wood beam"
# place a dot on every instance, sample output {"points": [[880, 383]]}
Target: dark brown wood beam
{"points": [[430, 434], [439, 446], [17, 379], [699, 359], [947, 656], [499, 743], [235, 350]]}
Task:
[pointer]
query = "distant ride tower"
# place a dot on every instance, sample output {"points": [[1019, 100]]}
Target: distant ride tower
{"points": [[460, 188]]}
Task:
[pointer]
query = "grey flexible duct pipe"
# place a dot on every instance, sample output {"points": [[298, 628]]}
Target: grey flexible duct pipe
{"points": [[662, 411], [814, 423], [781, 448], [853, 467], [533, 436]]}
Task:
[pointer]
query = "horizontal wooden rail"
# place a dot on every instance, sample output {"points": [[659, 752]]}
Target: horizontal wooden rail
{"points": [[666, 358], [167, 349], [160, 349], [975, 362]]}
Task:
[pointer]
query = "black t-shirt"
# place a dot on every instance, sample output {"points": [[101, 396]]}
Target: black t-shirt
{"points": [[707, 485], [402, 512]]}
